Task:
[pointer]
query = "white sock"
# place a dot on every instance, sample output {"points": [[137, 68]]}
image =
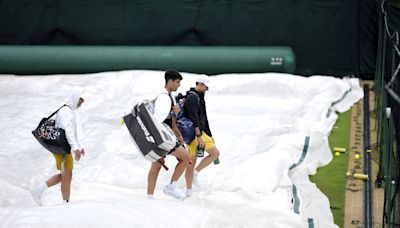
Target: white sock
{"points": [[189, 191], [196, 173], [150, 196]]}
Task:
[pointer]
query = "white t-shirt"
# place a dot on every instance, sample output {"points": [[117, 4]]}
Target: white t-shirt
{"points": [[162, 106]]}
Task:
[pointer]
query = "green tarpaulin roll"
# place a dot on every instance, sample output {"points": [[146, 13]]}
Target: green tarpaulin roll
{"points": [[196, 59]]}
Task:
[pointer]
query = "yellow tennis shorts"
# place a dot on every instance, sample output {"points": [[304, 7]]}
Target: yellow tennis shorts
{"points": [[68, 161], [193, 145]]}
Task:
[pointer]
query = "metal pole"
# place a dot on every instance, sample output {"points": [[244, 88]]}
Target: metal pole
{"points": [[388, 173], [368, 221]]}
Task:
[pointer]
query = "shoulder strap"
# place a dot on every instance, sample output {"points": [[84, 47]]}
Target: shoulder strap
{"points": [[56, 111], [191, 92], [170, 97]]}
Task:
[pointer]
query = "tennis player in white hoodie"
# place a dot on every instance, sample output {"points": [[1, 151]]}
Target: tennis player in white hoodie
{"points": [[66, 118]]}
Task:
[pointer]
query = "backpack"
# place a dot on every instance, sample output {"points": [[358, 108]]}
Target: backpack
{"points": [[185, 125]]}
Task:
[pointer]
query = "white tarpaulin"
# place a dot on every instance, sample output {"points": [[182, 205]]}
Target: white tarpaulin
{"points": [[271, 130]]}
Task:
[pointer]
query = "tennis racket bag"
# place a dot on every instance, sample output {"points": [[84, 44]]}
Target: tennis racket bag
{"points": [[154, 139]]}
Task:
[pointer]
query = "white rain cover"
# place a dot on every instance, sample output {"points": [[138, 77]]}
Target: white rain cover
{"points": [[271, 130]]}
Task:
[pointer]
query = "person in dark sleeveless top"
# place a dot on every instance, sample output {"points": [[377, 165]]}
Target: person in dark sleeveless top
{"points": [[165, 111]]}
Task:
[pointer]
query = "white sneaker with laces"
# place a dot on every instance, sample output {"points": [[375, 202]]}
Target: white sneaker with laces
{"points": [[172, 191], [37, 193], [37, 197]]}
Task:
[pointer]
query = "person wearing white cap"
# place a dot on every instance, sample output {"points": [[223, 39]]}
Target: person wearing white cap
{"points": [[195, 109], [67, 119]]}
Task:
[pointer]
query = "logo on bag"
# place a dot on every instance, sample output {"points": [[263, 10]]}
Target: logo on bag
{"points": [[145, 131], [48, 130]]}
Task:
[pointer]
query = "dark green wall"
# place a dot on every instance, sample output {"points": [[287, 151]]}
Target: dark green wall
{"points": [[322, 33]]}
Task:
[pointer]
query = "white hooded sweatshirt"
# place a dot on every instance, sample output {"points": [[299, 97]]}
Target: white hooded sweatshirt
{"points": [[67, 119]]}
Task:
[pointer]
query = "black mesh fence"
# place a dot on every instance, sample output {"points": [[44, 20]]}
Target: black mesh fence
{"points": [[387, 88]]}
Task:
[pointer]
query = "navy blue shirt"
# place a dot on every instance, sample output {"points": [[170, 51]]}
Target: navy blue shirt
{"points": [[196, 111]]}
